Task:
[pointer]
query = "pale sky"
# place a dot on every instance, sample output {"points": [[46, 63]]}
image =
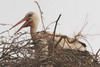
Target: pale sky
{"points": [[74, 13]]}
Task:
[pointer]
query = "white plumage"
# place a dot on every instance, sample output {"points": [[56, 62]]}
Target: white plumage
{"points": [[32, 21]]}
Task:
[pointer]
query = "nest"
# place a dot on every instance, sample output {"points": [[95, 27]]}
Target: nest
{"points": [[20, 51]]}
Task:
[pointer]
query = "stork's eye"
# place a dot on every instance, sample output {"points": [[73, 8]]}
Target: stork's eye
{"points": [[29, 15]]}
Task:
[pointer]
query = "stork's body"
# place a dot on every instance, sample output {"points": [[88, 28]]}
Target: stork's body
{"points": [[32, 20]]}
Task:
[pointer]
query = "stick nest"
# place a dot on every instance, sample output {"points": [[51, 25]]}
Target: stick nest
{"points": [[21, 51]]}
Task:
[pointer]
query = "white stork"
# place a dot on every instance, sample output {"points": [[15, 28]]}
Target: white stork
{"points": [[32, 21]]}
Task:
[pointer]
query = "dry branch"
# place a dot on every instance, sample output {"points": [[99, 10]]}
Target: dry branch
{"points": [[41, 14]]}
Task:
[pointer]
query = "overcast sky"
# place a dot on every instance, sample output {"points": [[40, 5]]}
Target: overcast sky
{"points": [[75, 13]]}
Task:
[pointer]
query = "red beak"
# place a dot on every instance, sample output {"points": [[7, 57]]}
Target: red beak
{"points": [[24, 19]]}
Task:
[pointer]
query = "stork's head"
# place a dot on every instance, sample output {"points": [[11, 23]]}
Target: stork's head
{"points": [[30, 19]]}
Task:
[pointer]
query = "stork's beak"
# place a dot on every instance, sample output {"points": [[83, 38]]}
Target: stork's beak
{"points": [[21, 21]]}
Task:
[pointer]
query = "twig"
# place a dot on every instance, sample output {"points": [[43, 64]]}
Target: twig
{"points": [[4, 31], [58, 42], [56, 27], [97, 54], [5, 24], [41, 14], [53, 39], [79, 33], [49, 25], [89, 45], [84, 24]]}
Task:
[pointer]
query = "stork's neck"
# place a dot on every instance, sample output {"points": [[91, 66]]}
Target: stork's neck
{"points": [[33, 29]]}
